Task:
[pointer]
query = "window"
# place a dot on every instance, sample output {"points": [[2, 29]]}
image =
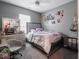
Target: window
{"points": [[23, 20]]}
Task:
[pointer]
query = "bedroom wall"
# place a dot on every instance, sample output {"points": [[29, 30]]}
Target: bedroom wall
{"points": [[13, 11], [0, 24], [64, 25]]}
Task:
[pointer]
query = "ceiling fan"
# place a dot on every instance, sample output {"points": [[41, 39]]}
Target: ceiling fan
{"points": [[38, 2]]}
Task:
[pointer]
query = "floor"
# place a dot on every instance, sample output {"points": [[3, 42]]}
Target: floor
{"points": [[31, 53]]}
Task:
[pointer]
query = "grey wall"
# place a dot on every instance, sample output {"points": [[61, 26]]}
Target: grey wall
{"points": [[0, 24], [12, 11], [64, 25]]}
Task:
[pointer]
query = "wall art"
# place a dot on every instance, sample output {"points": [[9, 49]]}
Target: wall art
{"points": [[50, 17], [59, 15], [9, 25], [44, 17], [74, 25], [53, 22]]}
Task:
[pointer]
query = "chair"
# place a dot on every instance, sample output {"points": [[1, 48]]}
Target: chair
{"points": [[16, 43]]}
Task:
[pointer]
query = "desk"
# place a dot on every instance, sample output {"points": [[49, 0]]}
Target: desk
{"points": [[13, 50]]}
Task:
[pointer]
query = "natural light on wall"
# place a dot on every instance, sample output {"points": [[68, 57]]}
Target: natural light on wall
{"points": [[23, 20]]}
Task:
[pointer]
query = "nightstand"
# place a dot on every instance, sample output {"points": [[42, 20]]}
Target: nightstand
{"points": [[71, 43]]}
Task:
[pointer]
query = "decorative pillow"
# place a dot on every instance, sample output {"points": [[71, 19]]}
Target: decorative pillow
{"points": [[56, 34], [39, 29]]}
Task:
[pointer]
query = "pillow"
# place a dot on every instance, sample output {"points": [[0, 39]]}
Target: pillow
{"points": [[39, 29], [56, 33], [33, 30]]}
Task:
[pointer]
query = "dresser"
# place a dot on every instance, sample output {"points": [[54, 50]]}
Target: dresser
{"points": [[20, 37]]}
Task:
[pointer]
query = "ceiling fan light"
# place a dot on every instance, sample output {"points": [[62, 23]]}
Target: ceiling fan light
{"points": [[37, 2]]}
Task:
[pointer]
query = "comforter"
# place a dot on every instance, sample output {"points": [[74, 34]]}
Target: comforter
{"points": [[44, 39]]}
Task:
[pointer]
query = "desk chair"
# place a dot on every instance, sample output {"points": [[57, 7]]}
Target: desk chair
{"points": [[15, 47]]}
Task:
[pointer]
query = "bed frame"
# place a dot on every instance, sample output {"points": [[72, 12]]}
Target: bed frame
{"points": [[33, 25], [55, 46]]}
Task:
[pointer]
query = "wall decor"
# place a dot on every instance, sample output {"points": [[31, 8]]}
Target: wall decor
{"points": [[53, 22], [47, 17], [59, 15], [50, 17], [9, 25], [44, 17], [58, 20], [54, 16], [74, 25]]}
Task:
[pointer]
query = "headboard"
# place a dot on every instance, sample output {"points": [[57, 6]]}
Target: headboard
{"points": [[33, 25]]}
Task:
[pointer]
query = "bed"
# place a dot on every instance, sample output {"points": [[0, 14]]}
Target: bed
{"points": [[47, 42]]}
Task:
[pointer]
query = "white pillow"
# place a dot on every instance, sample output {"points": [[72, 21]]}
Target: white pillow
{"points": [[39, 29], [29, 36], [33, 30]]}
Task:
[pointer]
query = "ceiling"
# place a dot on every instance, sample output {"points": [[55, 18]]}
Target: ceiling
{"points": [[44, 5]]}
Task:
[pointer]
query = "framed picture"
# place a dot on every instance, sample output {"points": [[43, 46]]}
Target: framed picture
{"points": [[53, 22], [50, 17], [10, 25]]}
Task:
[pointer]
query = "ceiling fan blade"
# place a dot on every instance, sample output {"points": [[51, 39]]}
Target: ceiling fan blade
{"points": [[45, 1]]}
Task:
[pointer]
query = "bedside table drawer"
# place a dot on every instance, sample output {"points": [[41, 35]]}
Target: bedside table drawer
{"points": [[71, 43]]}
